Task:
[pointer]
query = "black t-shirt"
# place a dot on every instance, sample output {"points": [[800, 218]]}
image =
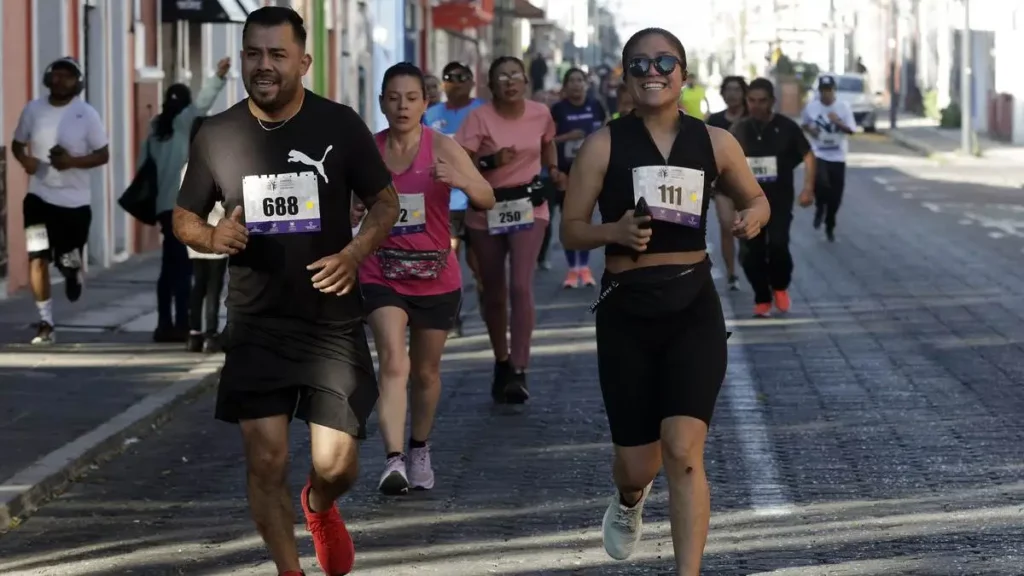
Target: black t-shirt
{"points": [[719, 120], [781, 138], [318, 158]]}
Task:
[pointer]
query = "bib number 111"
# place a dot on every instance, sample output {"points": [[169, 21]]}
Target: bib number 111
{"points": [[281, 206], [672, 195]]}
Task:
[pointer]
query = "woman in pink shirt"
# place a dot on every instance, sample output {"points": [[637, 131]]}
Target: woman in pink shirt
{"points": [[414, 278], [510, 139]]}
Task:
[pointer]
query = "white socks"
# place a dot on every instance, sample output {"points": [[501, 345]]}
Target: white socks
{"points": [[46, 311]]}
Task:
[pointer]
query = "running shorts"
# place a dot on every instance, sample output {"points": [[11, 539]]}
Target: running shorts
{"points": [[67, 229], [322, 374], [661, 348], [435, 312]]}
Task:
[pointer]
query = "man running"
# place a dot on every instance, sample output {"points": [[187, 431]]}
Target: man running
{"points": [[828, 121], [661, 339], [775, 146], [446, 118], [283, 162], [58, 140], [433, 90], [734, 93]]}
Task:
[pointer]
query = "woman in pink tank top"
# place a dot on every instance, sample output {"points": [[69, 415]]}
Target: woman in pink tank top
{"points": [[413, 280]]}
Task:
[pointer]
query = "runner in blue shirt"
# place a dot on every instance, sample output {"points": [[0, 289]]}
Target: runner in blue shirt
{"points": [[576, 117], [446, 117]]}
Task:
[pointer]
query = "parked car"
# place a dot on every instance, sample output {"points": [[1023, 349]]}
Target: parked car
{"points": [[853, 89]]}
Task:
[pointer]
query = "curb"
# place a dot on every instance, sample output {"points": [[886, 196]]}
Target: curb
{"points": [[32, 486], [910, 143]]}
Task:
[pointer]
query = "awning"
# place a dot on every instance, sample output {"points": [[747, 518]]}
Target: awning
{"points": [[524, 9], [207, 11], [462, 14]]}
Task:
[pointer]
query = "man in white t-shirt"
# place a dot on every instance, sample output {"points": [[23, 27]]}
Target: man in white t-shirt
{"points": [[59, 139], [829, 122]]}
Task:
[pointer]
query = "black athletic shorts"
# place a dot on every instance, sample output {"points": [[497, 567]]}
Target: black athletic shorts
{"points": [[319, 373], [661, 348], [435, 312], [67, 229], [457, 223]]}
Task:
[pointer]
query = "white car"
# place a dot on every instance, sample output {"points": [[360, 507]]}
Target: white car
{"points": [[853, 89]]}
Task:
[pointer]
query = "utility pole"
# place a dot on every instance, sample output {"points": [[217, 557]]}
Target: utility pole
{"points": [[894, 96], [832, 36], [966, 76]]}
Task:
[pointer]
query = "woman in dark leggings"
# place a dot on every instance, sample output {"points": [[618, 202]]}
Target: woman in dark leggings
{"points": [[510, 139]]}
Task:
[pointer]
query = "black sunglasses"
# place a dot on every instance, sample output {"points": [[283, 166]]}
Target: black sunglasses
{"points": [[458, 77], [663, 65]]}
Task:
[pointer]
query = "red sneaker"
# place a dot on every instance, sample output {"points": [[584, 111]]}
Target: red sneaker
{"points": [[334, 548]]}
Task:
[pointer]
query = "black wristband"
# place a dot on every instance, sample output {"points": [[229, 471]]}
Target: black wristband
{"points": [[487, 162]]}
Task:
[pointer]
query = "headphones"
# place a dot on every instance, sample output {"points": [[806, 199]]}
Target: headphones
{"points": [[68, 61]]}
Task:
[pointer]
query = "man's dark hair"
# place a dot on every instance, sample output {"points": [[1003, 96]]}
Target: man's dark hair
{"points": [[630, 47], [455, 67], [404, 69], [763, 84], [271, 16]]}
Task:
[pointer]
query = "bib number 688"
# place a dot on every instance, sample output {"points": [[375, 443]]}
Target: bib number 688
{"points": [[280, 206]]}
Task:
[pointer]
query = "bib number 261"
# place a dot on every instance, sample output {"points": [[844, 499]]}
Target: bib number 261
{"points": [[280, 206]]}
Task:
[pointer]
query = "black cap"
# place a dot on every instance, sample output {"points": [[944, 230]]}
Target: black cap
{"points": [[456, 67], [67, 63], [826, 83]]}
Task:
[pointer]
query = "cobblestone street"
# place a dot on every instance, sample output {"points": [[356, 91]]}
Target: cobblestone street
{"points": [[874, 430]]}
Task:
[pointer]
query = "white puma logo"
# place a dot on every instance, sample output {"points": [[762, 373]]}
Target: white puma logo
{"points": [[296, 156]]}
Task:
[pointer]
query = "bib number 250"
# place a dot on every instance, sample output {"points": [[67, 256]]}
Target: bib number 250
{"points": [[281, 206]]}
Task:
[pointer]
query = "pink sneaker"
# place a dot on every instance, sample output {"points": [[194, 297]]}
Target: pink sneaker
{"points": [[421, 474]]}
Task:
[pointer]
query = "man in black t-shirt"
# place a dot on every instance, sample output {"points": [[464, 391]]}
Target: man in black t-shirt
{"points": [[774, 145], [285, 163]]}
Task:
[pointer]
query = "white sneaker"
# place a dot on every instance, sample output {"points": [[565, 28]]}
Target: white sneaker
{"points": [[393, 480], [622, 526], [421, 474]]}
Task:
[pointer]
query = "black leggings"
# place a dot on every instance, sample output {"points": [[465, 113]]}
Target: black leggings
{"points": [[175, 281], [207, 288], [661, 348], [829, 182]]}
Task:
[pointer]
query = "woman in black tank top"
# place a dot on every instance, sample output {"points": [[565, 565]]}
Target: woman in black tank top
{"points": [[661, 339], [734, 93]]}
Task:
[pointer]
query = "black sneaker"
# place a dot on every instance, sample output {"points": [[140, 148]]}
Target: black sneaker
{"points": [[70, 266], [45, 335], [456, 331], [516, 391], [831, 235], [193, 344], [734, 283], [819, 215], [502, 375], [211, 343]]}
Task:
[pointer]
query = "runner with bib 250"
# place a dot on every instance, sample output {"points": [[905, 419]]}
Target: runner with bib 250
{"points": [[775, 146], [661, 338], [510, 138], [413, 280]]}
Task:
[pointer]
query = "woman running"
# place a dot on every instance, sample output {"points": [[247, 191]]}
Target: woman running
{"points": [[414, 280], [661, 339], [734, 92], [510, 138], [576, 117]]}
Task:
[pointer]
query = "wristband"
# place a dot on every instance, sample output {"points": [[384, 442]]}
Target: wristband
{"points": [[487, 162]]}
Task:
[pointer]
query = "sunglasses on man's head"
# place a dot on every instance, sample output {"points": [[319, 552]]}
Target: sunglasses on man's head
{"points": [[663, 65], [458, 77]]}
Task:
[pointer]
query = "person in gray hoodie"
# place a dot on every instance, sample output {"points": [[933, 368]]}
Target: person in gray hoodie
{"points": [[168, 146]]}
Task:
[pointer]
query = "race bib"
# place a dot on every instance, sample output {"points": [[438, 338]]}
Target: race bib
{"points": [[674, 194], [281, 203], [765, 168], [412, 215], [36, 239], [510, 216], [572, 147], [829, 139]]}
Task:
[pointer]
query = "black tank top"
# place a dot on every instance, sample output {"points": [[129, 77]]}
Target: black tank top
{"points": [[634, 152]]}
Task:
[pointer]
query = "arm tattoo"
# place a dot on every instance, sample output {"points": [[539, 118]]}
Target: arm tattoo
{"points": [[192, 230], [381, 215]]}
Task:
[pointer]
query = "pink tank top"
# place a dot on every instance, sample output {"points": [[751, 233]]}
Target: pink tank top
{"points": [[423, 227]]}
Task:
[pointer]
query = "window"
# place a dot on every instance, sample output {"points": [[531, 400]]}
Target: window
{"points": [[849, 84]]}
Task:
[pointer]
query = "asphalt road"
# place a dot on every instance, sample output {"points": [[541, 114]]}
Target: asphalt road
{"points": [[875, 430]]}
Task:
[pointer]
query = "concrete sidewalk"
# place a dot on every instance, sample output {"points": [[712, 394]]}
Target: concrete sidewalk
{"points": [[923, 135], [101, 386]]}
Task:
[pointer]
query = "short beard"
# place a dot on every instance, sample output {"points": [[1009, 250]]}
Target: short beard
{"points": [[275, 103]]}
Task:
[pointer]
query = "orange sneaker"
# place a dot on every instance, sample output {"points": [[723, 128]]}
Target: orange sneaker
{"points": [[762, 310], [572, 279], [782, 301], [334, 547], [587, 277]]}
